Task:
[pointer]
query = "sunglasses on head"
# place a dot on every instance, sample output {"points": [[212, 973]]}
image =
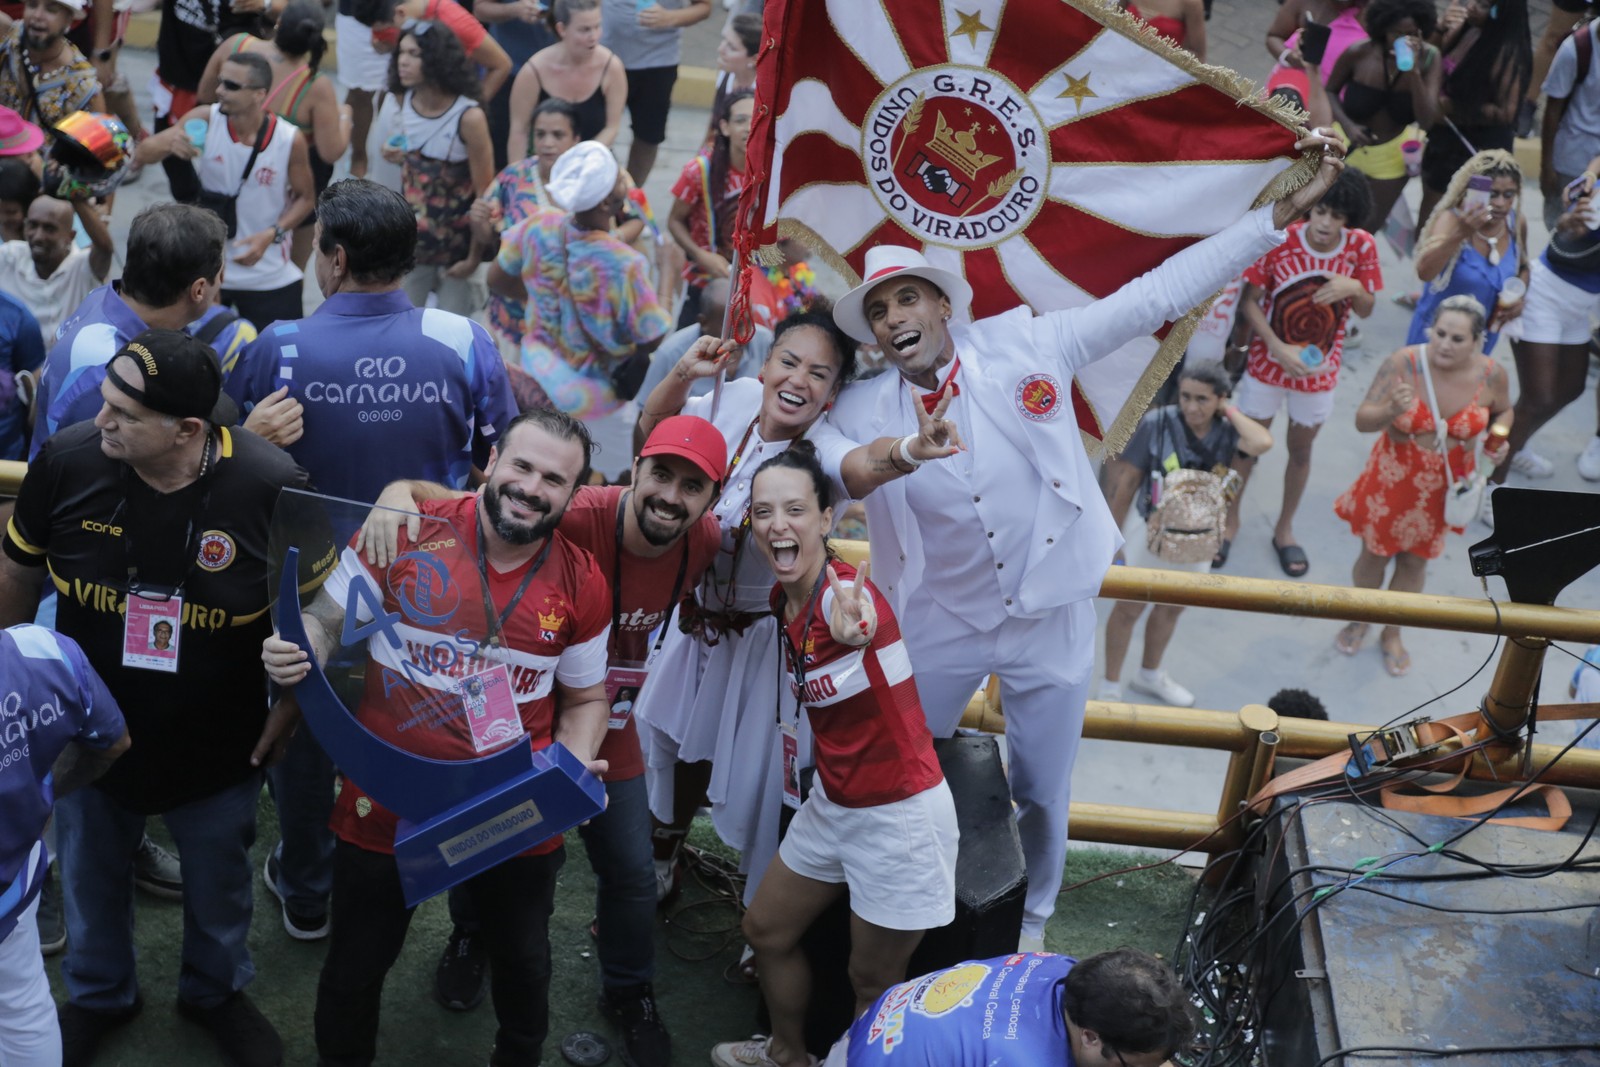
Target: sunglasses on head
{"points": [[233, 86]]}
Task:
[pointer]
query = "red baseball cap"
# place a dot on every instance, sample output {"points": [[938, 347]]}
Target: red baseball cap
{"points": [[693, 439]]}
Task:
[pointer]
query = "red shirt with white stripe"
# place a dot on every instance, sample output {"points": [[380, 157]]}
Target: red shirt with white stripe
{"points": [[873, 744], [558, 631]]}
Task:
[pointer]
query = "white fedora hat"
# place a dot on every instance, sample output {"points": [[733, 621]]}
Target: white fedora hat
{"points": [[890, 261]]}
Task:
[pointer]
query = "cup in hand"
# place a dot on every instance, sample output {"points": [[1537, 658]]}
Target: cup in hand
{"points": [[1411, 152], [195, 130], [1512, 290]]}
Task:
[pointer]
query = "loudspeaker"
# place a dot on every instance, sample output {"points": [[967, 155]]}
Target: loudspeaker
{"points": [[991, 883]]}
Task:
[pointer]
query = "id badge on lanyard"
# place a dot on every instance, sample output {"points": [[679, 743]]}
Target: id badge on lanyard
{"points": [[490, 707], [789, 735], [152, 629], [624, 679]]}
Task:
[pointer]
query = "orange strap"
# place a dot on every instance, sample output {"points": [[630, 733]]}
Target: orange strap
{"points": [[1437, 801]]}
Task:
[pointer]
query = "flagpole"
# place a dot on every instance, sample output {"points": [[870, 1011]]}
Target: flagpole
{"points": [[727, 328]]}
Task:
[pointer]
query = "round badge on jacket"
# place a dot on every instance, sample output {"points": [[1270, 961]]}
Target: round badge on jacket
{"points": [[1039, 397]]}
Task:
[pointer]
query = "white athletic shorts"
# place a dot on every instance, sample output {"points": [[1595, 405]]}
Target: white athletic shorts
{"points": [[1556, 311], [898, 859], [361, 66], [1261, 401]]}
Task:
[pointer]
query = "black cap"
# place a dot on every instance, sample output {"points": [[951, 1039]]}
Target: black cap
{"points": [[182, 376]]}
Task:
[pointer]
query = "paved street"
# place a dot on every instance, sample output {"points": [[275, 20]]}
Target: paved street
{"points": [[1227, 659]]}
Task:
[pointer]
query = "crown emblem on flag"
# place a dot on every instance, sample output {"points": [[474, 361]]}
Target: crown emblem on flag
{"points": [[960, 147]]}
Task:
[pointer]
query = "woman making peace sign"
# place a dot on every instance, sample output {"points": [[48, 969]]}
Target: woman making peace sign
{"points": [[880, 817]]}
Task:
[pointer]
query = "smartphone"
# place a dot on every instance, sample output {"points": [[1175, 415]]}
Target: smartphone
{"points": [[1314, 41], [1573, 190], [1477, 194]]}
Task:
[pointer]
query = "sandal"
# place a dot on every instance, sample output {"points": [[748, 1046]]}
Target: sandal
{"points": [[1396, 660], [1292, 558], [1352, 637], [1220, 558]]}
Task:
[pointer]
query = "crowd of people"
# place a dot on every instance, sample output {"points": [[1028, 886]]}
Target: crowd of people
{"points": [[493, 283]]}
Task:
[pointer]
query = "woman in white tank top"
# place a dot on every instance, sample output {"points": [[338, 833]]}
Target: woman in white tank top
{"points": [[442, 146]]}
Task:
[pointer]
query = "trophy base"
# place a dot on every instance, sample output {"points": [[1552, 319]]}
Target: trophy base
{"points": [[468, 839]]}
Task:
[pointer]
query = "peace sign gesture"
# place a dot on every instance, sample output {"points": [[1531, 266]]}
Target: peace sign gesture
{"points": [[853, 618], [937, 437]]}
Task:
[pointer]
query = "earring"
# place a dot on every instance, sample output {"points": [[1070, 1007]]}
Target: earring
{"points": [[761, 377]]}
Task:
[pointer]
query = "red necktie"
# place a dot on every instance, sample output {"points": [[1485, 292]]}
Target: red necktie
{"points": [[931, 400]]}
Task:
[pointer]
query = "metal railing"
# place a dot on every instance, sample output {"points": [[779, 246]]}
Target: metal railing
{"points": [[1256, 736]]}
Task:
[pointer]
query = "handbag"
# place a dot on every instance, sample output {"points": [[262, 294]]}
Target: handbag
{"points": [[1464, 498], [226, 207], [1186, 523]]}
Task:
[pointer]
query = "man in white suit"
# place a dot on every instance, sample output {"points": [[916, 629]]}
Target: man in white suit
{"points": [[993, 557]]}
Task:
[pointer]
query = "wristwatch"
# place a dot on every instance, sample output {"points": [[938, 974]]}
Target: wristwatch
{"points": [[278, 233]]}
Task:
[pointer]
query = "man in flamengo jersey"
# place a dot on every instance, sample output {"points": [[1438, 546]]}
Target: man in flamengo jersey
{"points": [[993, 558], [653, 542], [1122, 1007], [531, 614]]}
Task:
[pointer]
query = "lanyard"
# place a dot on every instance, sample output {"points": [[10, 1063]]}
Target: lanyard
{"points": [[616, 580], [796, 660], [495, 622], [191, 549]]}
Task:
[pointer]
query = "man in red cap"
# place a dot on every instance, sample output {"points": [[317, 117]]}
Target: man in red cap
{"points": [[652, 540]]}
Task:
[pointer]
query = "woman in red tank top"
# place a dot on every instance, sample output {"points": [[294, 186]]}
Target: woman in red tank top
{"points": [[879, 818]]}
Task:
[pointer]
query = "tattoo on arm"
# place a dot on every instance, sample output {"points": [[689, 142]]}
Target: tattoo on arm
{"points": [[329, 616]]}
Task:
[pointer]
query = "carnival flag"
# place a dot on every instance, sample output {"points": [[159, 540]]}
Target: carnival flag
{"points": [[1047, 150]]}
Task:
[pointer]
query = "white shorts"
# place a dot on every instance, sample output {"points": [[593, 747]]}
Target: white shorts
{"points": [[361, 66], [1261, 401], [1556, 312], [1137, 554], [898, 859]]}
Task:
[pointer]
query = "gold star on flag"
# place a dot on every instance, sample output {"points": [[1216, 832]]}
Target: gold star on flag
{"points": [[1077, 89], [971, 25]]}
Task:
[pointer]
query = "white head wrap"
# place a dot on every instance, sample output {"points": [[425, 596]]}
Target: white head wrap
{"points": [[583, 176]]}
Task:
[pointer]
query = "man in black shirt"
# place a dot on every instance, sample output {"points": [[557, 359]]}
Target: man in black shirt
{"points": [[151, 512]]}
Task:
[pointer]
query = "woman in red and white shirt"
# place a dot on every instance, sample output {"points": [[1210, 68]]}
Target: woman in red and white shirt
{"points": [[880, 818]]}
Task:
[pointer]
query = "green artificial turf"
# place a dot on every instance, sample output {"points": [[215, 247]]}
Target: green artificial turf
{"points": [[696, 949]]}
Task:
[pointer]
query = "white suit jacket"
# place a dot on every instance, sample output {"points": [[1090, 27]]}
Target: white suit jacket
{"points": [[1036, 489]]}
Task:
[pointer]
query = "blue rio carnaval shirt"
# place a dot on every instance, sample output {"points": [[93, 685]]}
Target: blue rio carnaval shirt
{"points": [[982, 1013], [389, 390], [49, 697]]}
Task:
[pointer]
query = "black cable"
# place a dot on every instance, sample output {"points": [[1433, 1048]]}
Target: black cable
{"points": [[1462, 1050]]}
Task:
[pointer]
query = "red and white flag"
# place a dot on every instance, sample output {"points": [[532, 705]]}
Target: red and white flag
{"points": [[1047, 150]]}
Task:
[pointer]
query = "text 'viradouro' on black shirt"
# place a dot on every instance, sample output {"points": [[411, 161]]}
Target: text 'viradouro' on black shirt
{"points": [[89, 518]]}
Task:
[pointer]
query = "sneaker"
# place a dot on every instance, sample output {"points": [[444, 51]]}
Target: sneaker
{"points": [[1030, 942], [1530, 464], [247, 1038], [83, 1029], [669, 879], [1589, 460], [632, 1010], [458, 983], [1109, 691], [50, 920], [751, 1053], [311, 927], [157, 871], [1160, 685]]}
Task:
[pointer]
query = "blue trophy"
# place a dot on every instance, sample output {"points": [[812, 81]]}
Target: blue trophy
{"points": [[420, 704]]}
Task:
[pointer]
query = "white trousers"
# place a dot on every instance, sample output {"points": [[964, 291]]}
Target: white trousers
{"points": [[29, 1034], [1044, 666]]}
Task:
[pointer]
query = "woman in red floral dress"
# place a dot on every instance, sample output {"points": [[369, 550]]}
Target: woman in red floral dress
{"points": [[1396, 505]]}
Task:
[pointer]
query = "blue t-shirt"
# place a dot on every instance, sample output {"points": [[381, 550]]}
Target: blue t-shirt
{"points": [[49, 697], [24, 350], [389, 390], [982, 1013], [69, 393]]}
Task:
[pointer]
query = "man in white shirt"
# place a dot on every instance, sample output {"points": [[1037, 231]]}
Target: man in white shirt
{"points": [[46, 270], [992, 557]]}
